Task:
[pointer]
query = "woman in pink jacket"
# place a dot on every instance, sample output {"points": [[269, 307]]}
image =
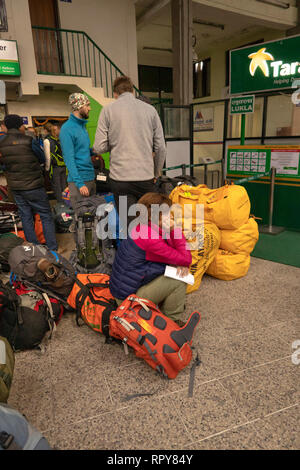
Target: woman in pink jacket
{"points": [[141, 260]]}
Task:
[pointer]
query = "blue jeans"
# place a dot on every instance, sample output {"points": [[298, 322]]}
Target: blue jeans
{"points": [[34, 202]]}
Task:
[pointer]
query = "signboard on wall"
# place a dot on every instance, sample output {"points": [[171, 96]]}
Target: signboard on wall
{"points": [[203, 119], [250, 161], [242, 105], [268, 66], [9, 60]]}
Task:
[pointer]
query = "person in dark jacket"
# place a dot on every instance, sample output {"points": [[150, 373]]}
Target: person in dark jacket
{"points": [[22, 157], [142, 258]]}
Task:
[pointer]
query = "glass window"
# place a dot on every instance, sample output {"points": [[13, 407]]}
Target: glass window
{"points": [[283, 117], [177, 123], [253, 122], [155, 79], [201, 77], [3, 17]]}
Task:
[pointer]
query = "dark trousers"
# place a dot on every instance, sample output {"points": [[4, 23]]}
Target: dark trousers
{"points": [[59, 181], [34, 202], [134, 190]]}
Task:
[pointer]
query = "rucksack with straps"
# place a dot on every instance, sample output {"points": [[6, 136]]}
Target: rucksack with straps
{"points": [[27, 317], [154, 337], [7, 363], [137, 323], [92, 255], [38, 266], [16, 433]]}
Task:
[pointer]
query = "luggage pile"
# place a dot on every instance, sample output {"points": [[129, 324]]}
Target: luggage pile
{"points": [[137, 323], [227, 221]]}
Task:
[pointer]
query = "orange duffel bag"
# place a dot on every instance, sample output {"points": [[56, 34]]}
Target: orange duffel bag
{"points": [[92, 300]]}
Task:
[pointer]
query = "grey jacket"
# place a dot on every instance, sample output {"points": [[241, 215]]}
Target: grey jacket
{"points": [[131, 131]]}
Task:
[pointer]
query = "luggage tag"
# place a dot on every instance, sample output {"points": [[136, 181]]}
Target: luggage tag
{"points": [[66, 217], [101, 177]]}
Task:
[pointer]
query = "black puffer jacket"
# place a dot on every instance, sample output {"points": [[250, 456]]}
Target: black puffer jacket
{"points": [[22, 168]]}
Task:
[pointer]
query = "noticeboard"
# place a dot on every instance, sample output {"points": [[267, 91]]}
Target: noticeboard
{"points": [[252, 160]]}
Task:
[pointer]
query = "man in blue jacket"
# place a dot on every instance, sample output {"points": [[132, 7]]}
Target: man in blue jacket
{"points": [[75, 144]]}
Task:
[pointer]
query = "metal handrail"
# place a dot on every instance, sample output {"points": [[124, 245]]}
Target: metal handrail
{"points": [[74, 53]]}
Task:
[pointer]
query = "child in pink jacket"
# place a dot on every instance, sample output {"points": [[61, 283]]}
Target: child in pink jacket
{"points": [[141, 260]]}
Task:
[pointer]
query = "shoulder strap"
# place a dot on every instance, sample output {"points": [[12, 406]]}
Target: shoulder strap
{"points": [[7, 442]]}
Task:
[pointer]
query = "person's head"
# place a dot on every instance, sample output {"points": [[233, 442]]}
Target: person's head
{"points": [[80, 105], [122, 85], [55, 130], [3, 127], [158, 207], [47, 128], [14, 121]]}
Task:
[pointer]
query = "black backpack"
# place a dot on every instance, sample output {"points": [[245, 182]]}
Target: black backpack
{"points": [[26, 316], [165, 185], [8, 241]]}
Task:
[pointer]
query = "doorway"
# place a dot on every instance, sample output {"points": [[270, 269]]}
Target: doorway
{"points": [[47, 43]]}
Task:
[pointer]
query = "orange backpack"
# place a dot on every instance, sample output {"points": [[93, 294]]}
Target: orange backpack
{"points": [[154, 337], [137, 323]]}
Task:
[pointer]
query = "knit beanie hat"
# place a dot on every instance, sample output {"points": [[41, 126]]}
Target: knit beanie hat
{"points": [[13, 121], [78, 100]]}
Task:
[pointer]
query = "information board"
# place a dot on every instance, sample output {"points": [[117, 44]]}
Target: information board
{"points": [[250, 160]]}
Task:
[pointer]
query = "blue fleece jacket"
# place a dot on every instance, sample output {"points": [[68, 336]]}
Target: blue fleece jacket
{"points": [[75, 144]]}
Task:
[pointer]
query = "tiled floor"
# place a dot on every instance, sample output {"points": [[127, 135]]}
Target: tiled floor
{"points": [[246, 393]]}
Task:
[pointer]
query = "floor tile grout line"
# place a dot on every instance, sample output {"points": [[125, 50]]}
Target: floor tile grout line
{"points": [[282, 409], [108, 388], [182, 421], [233, 399], [262, 418], [226, 430]]}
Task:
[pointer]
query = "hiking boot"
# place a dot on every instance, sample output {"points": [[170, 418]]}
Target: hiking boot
{"points": [[49, 269]]}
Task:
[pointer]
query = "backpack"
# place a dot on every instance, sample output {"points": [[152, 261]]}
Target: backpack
{"points": [[63, 217], [93, 301], [92, 255], [7, 363], [154, 337], [26, 316], [165, 184], [8, 241], [16, 433], [46, 270], [137, 323]]}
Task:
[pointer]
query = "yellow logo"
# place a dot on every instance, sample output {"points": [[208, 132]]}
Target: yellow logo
{"points": [[259, 59]]}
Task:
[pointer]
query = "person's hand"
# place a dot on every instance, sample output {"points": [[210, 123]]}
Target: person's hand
{"points": [[84, 191], [182, 271]]}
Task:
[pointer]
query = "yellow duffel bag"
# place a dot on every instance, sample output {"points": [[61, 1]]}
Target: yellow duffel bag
{"points": [[229, 266], [228, 207], [208, 241], [240, 240]]}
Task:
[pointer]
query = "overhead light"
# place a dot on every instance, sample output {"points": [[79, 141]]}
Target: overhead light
{"points": [[209, 23], [146, 48], [275, 3]]}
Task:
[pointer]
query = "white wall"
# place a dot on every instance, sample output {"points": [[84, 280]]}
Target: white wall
{"points": [[48, 103], [19, 29], [112, 26]]}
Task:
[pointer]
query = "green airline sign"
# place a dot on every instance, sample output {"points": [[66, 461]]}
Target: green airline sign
{"points": [[9, 60], [268, 66], [242, 105]]}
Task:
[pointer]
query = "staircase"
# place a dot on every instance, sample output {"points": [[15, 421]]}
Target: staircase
{"points": [[65, 53]]}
